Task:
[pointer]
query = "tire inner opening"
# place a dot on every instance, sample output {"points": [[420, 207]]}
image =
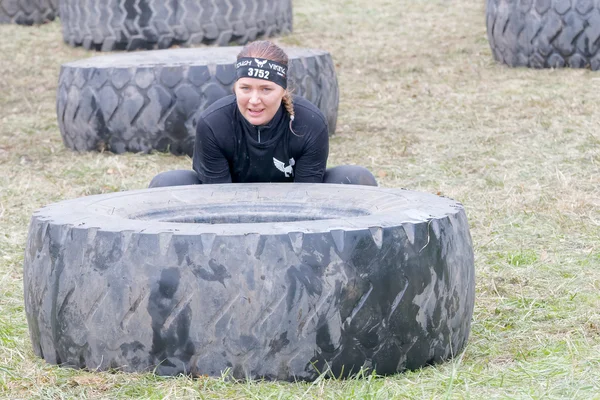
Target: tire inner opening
{"points": [[248, 213]]}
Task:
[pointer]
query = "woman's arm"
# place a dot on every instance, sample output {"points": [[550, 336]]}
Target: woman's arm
{"points": [[209, 161], [310, 166]]}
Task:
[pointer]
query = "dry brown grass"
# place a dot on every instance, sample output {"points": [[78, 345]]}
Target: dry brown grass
{"points": [[424, 106]]}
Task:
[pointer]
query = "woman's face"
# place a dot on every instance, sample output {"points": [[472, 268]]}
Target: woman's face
{"points": [[258, 100]]}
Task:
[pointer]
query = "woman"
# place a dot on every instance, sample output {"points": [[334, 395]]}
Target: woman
{"points": [[262, 133]]}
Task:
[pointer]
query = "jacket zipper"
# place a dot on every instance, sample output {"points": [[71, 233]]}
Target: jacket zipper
{"points": [[258, 134]]}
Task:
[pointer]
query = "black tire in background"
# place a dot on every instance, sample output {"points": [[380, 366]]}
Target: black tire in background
{"points": [[545, 34], [27, 12], [276, 281], [151, 100], [158, 24]]}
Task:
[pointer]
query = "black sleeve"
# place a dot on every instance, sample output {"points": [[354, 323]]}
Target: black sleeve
{"points": [[310, 166], [209, 161]]}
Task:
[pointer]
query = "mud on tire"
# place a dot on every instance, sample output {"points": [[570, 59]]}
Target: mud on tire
{"points": [[151, 100], [158, 24], [545, 34], [27, 12], [276, 281]]}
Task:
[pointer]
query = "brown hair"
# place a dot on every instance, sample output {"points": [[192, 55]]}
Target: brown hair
{"points": [[270, 51]]}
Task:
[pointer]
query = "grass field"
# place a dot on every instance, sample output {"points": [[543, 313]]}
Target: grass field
{"points": [[425, 107]]}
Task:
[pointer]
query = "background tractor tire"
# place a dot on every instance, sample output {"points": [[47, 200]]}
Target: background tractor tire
{"points": [[158, 24], [151, 100], [275, 281], [27, 12], [545, 33]]}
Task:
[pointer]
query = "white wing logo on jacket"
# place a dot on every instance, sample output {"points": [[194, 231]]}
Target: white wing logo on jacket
{"points": [[280, 165], [260, 63]]}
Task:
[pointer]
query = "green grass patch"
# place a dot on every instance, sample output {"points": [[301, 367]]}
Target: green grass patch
{"points": [[521, 258]]}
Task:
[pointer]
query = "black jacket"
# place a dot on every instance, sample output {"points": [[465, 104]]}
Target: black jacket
{"points": [[227, 147]]}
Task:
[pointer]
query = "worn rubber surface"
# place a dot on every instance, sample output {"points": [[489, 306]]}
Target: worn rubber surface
{"points": [[545, 33], [151, 100], [270, 280], [27, 12], [158, 24]]}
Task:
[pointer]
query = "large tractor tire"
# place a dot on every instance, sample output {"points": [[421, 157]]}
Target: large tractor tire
{"points": [[158, 24], [545, 33], [27, 12], [151, 100], [275, 281]]}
